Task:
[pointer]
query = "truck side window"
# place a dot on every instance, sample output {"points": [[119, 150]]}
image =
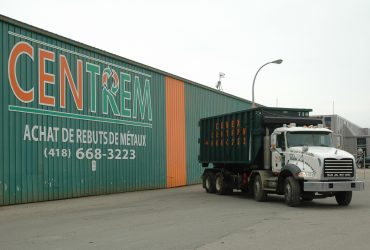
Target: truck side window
{"points": [[280, 141]]}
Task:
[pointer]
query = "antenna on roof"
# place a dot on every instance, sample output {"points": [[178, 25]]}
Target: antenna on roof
{"points": [[333, 108], [218, 85]]}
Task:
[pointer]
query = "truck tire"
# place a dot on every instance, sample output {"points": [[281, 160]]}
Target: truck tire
{"points": [[209, 182], [258, 193], [343, 198], [292, 192], [221, 185]]}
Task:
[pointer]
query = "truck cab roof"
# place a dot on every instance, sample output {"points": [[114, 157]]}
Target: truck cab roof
{"points": [[302, 129]]}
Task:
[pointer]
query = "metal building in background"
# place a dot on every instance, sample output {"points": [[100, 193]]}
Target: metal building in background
{"points": [[348, 135], [78, 121]]}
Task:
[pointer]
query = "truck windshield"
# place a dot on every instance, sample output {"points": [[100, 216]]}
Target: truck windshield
{"points": [[309, 139]]}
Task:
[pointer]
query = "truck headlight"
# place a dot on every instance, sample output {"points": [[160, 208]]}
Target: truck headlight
{"points": [[304, 174]]}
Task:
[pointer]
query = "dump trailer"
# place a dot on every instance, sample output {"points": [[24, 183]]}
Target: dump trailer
{"points": [[282, 151]]}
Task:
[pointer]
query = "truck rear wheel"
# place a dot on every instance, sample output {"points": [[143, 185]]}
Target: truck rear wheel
{"points": [[209, 182], [258, 193], [343, 198], [221, 184], [292, 192]]}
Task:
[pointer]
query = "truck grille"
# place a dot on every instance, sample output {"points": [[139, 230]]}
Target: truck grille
{"points": [[338, 168]]}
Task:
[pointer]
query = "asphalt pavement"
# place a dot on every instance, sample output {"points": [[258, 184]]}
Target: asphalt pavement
{"points": [[187, 218]]}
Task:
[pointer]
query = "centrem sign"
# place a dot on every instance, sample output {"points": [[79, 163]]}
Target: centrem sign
{"points": [[124, 95]]}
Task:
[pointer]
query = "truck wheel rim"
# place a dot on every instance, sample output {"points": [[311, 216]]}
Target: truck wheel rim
{"points": [[218, 183], [256, 186], [208, 183], [288, 191]]}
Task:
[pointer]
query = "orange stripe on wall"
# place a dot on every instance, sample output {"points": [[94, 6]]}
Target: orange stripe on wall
{"points": [[175, 133]]}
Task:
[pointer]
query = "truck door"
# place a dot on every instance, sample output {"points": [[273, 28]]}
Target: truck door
{"points": [[277, 154]]}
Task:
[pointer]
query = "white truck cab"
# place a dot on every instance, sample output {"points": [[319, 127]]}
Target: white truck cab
{"points": [[308, 152]]}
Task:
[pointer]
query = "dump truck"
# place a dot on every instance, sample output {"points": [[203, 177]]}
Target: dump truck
{"points": [[282, 151]]}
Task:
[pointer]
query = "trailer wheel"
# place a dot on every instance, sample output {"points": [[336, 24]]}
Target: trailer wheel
{"points": [[258, 192], [292, 192], [343, 198], [221, 184], [209, 182]]}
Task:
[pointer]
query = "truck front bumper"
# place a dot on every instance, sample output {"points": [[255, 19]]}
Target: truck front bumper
{"points": [[334, 186]]}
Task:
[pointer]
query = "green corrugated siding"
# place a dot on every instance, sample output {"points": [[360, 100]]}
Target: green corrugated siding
{"points": [[201, 103], [26, 175]]}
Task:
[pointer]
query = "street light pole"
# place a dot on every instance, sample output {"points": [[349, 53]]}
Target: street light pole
{"points": [[254, 79]]}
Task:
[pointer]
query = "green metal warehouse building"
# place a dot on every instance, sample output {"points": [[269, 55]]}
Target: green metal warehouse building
{"points": [[78, 121]]}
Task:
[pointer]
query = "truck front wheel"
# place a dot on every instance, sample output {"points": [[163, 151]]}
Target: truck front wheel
{"points": [[209, 182], [343, 198], [258, 192], [292, 192]]}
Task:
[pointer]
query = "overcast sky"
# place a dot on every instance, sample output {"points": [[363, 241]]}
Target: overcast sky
{"points": [[325, 44]]}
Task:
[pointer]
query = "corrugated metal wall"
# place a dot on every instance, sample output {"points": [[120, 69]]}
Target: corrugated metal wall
{"points": [[208, 103], [37, 170]]}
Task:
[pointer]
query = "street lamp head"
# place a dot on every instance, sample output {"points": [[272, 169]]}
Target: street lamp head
{"points": [[254, 79], [277, 61]]}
